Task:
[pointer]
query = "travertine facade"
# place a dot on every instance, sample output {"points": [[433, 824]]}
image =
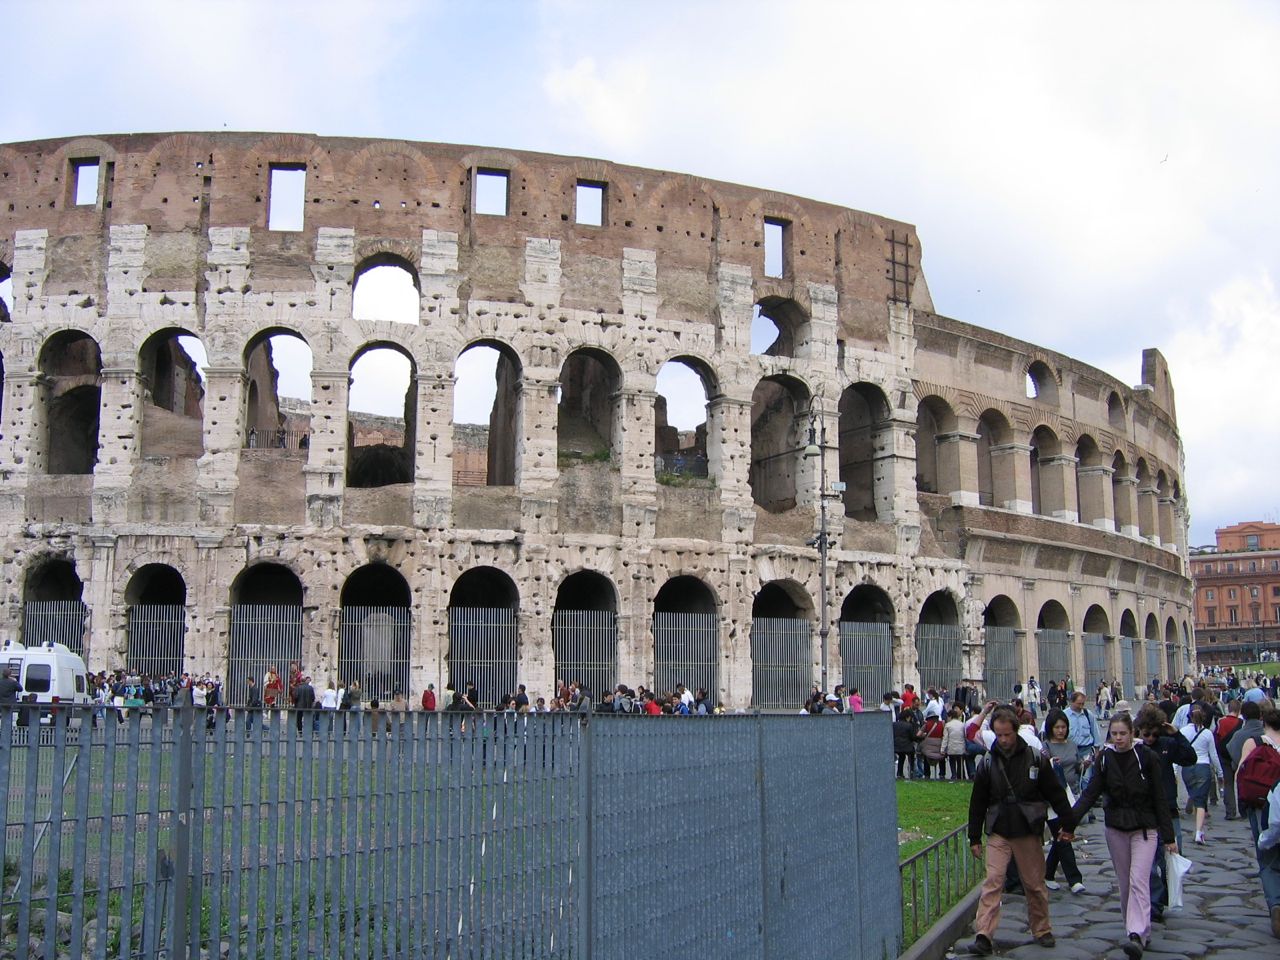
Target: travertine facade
{"points": [[964, 497]]}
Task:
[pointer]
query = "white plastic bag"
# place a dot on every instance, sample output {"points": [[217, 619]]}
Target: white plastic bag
{"points": [[1176, 866]]}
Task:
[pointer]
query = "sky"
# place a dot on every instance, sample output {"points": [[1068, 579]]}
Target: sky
{"points": [[1093, 177]]}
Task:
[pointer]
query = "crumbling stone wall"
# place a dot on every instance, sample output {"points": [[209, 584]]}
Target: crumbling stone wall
{"points": [[178, 239]]}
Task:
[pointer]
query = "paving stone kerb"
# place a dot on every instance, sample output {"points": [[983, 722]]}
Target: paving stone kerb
{"points": [[1224, 916], [965, 498]]}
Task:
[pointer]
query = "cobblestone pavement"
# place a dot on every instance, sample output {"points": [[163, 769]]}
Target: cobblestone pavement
{"points": [[1224, 916]]}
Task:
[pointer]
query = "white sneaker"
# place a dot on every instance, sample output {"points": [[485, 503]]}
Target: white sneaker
{"points": [[1053, 884], [1078, 888]]}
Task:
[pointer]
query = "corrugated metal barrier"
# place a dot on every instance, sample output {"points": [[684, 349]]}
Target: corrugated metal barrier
{"points": [[390, 835]]}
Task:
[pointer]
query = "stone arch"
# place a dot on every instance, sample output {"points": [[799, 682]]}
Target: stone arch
{"points": [[1117, 416], [686, 635], [867, 603], [584, 632], [375, 630], [380, 444], [155, 614], [1042, 383], [53, 609], [936, 472], [270, 421], [1128, 624], [285, 148], [790, 322], [1093, 490], [589, 413], [1096, 620], [71, 363], [267, 583], [488, 456], [1046, 486], [484, 641], [1002, 636], [684, 447], [267, 615], [169, 365], [997, 476], [385, 287], [779, 424], [1001, 611], [1053, 616], [865, 430], [781, 645]]}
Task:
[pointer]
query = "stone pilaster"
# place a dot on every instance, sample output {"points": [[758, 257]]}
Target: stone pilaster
{"points": [[1011, 476]]}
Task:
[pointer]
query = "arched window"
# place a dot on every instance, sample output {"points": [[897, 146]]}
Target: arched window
{"points": [[1053, 642], [172, 364], [487, 416], [1093, 493], [781, 646], [484, 640], [940, 642], [996, 477], [778, 327], [685, 387], [1122, 494], [72, 367], [278, 399], [1042, 383], [686, 637], [1046, 487], [779, 427], [382, 408], [584, 633], [156, 599], [376, 632], [937, 469], [385, 287], [1116, 414], [587, 427], [864, 433]]}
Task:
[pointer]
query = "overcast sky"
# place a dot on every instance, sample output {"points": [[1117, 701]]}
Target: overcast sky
{"points": [[1094, 177]]}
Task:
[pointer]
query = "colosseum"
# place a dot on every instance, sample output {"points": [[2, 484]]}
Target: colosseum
{"points": [[912, 497]]}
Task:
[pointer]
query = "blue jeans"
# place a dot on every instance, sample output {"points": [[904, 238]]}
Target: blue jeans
{"points": [[1268, 860]]}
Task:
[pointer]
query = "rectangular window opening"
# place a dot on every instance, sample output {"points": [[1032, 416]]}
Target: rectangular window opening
{"points": [[775, 247], [589, 204], [86, 184], [491, 192], [286, 196]]}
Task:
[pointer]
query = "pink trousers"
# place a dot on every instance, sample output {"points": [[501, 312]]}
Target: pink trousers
{"points": [[1132, 853]]}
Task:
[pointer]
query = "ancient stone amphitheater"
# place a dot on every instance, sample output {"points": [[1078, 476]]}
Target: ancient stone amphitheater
{"points": [[987, 509]]}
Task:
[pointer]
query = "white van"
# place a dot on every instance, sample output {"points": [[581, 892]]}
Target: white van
{"points": [[49, 674]]}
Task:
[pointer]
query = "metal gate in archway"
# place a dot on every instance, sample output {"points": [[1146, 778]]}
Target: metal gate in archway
{"points": [[939, 655], [373, 647], [1001, 673], [55, 621], [866, 658], [1126, 667], [483, 649], [781, 662], [1054, 647], [156, 633], [1155, 660], [1171, 662], [262, 636], [686, 649], [585, 645], [1095, 663]]}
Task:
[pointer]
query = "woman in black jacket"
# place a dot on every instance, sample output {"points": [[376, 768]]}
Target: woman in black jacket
{"points": [[1137, 823]]}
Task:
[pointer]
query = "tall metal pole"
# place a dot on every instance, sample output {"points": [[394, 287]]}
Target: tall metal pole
{"points": [[817, 446]]}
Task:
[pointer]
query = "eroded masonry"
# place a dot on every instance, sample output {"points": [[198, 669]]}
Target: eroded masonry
{"points": [[240, 382]]}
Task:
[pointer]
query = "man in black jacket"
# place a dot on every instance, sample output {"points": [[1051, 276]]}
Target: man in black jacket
{"points": [[1013, 788]]}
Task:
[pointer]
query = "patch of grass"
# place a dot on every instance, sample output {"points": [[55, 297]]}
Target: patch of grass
{"points": [[928, 810], [1270, 669]]}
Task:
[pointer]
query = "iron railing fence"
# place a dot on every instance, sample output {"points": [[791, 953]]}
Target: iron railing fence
{"points": [[484, 647], [686, 649], [1126, 666], [262, 636], [373, 647], [940, 655], [681, 465], [1054, 647], [1095, 663], [866, 658], [442, 835], [156, 637], [935, 879], [781, 662], [55, 621], [585, 645], [281, 439], [1002, 671]]}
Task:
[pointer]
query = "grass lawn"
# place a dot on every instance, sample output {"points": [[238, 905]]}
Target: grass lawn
{"points": [[1270, 669], [928, 810]]}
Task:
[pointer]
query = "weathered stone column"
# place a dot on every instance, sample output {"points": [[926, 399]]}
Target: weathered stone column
{"points": [[433, 451], [537, 469], [729, 464], [1094, 491], [1124, 493], [218, 467], [958, 467], [21, 453], [1011, 476], [326, 467], [1148, 525], [119, 434], [1058, 487], [1164, 521], [635, 459]]}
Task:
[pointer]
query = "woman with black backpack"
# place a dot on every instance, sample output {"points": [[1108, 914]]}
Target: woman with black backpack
{"points": [[1137, 819]]}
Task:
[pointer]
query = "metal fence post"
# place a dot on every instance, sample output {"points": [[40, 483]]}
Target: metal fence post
{"points": [[180, 928], [764, 855], [586, 892]]}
